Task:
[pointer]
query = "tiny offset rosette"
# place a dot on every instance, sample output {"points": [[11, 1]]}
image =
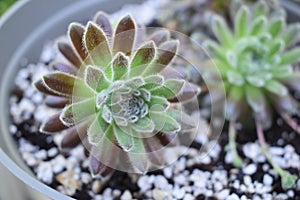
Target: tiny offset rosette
{"points": [[113, 96]]}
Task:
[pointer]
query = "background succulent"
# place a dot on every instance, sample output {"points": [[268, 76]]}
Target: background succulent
{"points": [[256, 63], [117, 93]]}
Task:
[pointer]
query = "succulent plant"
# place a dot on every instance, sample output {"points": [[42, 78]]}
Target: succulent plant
{"points": [[255, 61], [118, 94]]}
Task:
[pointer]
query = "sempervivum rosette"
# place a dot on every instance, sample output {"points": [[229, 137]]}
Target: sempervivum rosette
{"points": [[118, 94], [256, 64]]}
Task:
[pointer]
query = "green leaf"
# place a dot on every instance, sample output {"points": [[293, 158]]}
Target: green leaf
{"points": [[241, 22], [282, 71], [158, 103], [288, 180], [186, 122], [258, 25], [153, 81], [222, 32], [233, 103], [260, 8], [97, 45], [291, 34], [145, 94], [215, 50], [142, 58], [235, 78], [275, 27], [78, 112], [124, 139], [291, 56], [120, 65], [276, 47], [143, 125], [256, 80], [164, 122], [107, 114], [135, 82], [96, 130], [138, 156], [171, 88], [95, 79], [255, 98], [276, 88]]}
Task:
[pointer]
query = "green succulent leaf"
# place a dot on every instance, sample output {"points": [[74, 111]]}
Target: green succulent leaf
{"points": [[276, 88], [143, 125], [142, 58], [222, 32], [171, 88], [291, 56], [186, 122], [124, 139], [164, 122], [241, 22], [138, 156], [120, 65], [260, 8], [96, 130], [258, 25], [158, 103], [235, 78], [95, 78], [275, 27], [255, 98], [291, 34], [288, 180], [77, 112]]}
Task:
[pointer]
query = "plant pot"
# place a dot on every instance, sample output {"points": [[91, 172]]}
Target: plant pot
{"points": [[24, 30]]}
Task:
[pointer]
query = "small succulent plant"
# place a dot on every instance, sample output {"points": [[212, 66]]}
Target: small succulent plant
{"points": [[255, 61], [117, 93]]}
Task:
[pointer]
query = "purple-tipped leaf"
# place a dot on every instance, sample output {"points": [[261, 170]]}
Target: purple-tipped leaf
{"points": [[165, 54], [102, 20], [124, 35], [57, 102], [95, 79], [69, 53], [74, 136], [160, 37], [64, 68], [53, 125], [188, 92], [97, 45], [143, 56]]}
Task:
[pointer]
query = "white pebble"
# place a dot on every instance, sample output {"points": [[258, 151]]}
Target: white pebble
{"points": [[276, 151], [188, 197], [247, 180], [52, 152], [160, 182], [126, 195], [178, 193], [267, 179], [223, 194], [144, 183], [44, 172], [250, 169]]}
